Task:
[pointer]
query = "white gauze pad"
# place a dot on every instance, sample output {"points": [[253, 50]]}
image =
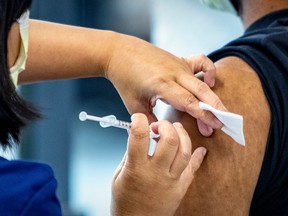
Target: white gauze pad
{"points": [[233, 123]]}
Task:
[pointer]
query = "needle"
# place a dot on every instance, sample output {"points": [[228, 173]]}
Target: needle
{"points": [[111, 121]]}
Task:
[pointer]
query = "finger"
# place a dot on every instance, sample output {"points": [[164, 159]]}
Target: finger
{"points": [[151, 117], [181, 99], [184, 151], [154, 127], [138, 140], [202, 63], [204, 129], [145, 106], [167, 145], [205, 94], [194, 164], [201, 90], [119, 168]]}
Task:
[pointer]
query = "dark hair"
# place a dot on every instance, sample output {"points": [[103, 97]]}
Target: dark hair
{"points": [[237, 5], [14, 111]]}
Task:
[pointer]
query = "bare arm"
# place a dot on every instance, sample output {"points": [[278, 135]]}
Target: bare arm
{"points": [[225, 183], [59, 52]]}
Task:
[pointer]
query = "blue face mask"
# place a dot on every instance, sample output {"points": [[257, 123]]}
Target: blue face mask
{"points": [[223, 5], [20, 63]]}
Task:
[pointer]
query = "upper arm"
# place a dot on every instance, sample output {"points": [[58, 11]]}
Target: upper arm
{"points": [[225, 183]]}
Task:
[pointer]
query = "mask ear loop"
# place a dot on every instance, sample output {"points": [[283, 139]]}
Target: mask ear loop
{"points": [[20, 63], [24, 20]]}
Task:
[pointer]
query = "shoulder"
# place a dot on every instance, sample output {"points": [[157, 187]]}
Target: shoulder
{"points": [[22, 184], [263, 44], [17, 171], [225, 183]]}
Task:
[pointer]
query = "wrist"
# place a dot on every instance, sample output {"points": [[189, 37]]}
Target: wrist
{"points": [[123, 54], [101, 51], [129, 204]]}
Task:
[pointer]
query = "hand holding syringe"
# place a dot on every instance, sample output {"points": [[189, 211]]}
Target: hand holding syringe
{"points": [[111, 121]]}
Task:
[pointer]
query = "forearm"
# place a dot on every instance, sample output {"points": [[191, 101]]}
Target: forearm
{"points": [[59, 52]]}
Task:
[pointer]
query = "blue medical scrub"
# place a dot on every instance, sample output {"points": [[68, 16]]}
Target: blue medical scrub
{"points": [[27, 188]]}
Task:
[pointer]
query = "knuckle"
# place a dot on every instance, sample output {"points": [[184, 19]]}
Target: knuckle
{"points": [[171, 141], [174, 176], [167, 84], [218, 104], [194, 168], [190, 102], [210, 66], [202, 57], [185, 156], [190, 99], [138, 133], [161, 85], [201, 88]]}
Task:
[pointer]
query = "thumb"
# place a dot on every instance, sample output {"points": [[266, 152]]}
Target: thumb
{"points": [[119, 168], [138, 140]]}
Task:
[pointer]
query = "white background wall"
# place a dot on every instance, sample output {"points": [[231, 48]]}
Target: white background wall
{"points": [[186, 27]]}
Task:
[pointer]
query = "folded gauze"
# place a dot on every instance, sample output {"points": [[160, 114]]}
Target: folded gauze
{"points": [[233, 123]]}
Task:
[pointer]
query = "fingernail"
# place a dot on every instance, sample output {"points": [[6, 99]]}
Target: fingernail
{"points": [[178, 124], [153, 123], [132, 117], [204, 151], [212, 83], [209, 131]]}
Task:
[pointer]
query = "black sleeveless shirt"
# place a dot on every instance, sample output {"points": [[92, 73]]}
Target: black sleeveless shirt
{"points": [[264, 46]]}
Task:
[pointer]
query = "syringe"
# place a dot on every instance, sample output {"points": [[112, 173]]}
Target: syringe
{"points": [[111, 121]]}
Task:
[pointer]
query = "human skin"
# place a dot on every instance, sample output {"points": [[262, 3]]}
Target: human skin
{"points": [[145, 185], [225, 183], [59, 51]]}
